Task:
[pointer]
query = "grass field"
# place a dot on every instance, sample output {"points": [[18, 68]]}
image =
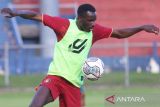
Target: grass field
{"points": [[145, 85]]}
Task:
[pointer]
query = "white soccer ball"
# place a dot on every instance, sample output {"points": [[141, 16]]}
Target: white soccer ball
{"points": [[93, 68]]}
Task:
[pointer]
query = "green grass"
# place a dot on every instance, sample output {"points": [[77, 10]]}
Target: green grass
{"points": [[117, 79], [23, 80], [112, 79], [95, 97], [21, 90]]}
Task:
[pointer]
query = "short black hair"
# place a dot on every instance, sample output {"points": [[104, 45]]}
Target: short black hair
{"points": [[83, 8]]}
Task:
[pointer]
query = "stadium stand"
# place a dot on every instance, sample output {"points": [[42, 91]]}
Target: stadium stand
{"points": [[110, 13]]}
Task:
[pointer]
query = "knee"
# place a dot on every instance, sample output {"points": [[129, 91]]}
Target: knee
{"points": [[36, 105]]}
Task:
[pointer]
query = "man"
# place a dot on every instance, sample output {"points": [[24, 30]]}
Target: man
{"points": [[74, 39]]}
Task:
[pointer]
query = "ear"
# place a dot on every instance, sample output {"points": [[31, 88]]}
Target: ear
{"points": [[79, 18]]}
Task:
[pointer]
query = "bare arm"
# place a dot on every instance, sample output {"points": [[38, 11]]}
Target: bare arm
{"points": [[26, 14], [127, 32]]}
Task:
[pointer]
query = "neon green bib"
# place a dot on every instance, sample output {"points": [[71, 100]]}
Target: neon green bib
{"points": [[70, 54]]}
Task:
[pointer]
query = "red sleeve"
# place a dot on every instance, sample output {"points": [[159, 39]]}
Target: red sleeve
{"points": [[100, 32], [58, 24]]}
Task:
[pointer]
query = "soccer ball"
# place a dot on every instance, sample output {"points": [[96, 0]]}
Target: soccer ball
{"points": [[93, 68]]}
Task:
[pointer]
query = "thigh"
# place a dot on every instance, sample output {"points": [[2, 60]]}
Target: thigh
{"points": [[71, 96], [42, 97]]}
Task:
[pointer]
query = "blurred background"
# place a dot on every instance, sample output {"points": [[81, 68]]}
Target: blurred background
{"points": [[131, 65]]}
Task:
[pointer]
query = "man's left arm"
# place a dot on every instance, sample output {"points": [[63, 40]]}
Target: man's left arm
{"points": [[127, 32]]}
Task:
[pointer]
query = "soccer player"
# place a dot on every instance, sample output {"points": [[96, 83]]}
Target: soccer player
{"points": [[74, 39]]}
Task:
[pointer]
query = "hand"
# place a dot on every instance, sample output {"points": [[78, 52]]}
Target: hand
{"points": [[151, 29], [7, 12]]}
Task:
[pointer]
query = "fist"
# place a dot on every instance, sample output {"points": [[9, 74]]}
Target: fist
{"points": [[7, 12], [151, 29]]}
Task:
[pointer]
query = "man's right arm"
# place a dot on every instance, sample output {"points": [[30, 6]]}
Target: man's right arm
{"points": [[26, 14]]}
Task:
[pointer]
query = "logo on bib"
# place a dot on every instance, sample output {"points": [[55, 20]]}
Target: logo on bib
{"points": [[77, 46]]}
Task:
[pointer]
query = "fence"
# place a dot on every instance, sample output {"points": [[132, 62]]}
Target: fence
{"points": [[28, 59]]}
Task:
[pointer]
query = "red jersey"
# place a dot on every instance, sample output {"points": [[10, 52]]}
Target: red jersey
{"points": [[60, 26]]}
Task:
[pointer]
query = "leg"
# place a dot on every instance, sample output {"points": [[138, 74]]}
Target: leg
{"points": [[42, 97], [82, 99], [82, 96], [62, 102], [50, 99], [73, 98], [70, 95]]}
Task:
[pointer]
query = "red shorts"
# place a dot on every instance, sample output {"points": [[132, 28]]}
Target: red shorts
{"points": [[69, 95]]}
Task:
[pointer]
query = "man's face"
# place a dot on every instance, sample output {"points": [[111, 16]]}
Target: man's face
{"points": [[87, 21]]}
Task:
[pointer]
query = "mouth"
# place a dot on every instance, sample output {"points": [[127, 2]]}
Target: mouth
{"points": [[91, 28], [88, 29]]}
